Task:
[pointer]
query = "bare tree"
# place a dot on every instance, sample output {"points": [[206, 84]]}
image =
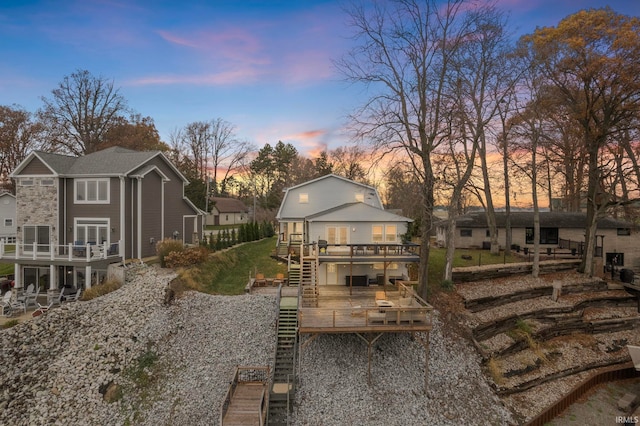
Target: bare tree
{"points": [[83, 108], [403, 53]]}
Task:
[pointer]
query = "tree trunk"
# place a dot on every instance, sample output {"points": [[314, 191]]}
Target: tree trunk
{"points": [[451, 249], [427, 220]]}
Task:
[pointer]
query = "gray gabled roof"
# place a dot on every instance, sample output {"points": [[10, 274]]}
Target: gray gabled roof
{"points": [[229, 205], [547, 220], [114, 161], [356, 212]]}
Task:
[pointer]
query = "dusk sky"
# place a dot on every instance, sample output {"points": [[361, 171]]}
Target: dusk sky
{"points": [[264, 66]]}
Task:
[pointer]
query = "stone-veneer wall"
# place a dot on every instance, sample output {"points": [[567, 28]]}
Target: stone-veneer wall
{"points": [[37, 205]]}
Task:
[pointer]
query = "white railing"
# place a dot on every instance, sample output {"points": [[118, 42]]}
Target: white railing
{"points": [[71, 252]]}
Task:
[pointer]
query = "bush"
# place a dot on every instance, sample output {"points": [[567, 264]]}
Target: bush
{"points": [[100, 290], [447, 285], [167, 246], [186, 257]]}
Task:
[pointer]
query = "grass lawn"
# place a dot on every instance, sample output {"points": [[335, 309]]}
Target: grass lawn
{"points": [[228, 272], [6, 269]]}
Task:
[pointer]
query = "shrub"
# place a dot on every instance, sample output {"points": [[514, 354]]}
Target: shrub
{"points": [[167, 246], [9, 324], [100, 289], [446, 285], [186, 257]]}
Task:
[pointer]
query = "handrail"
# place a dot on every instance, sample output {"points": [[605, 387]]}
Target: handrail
{"points": [[84, 252], [367, 249]]}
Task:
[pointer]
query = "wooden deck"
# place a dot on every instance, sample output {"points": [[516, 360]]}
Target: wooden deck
{"points": [[339, 311], [246, 403]]}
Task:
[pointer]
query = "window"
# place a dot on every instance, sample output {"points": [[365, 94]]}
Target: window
{"points": [[547, 235], [359, 198], [26, 182], [303, 198], [8, 222], [377, 231], [92, 231], [466, 232], [226, 217], [46, 182], [390, 233], [35, 234], [337, 234], [488, 233], [390, 266], [384, 233], [624, 231], [92, 191]]}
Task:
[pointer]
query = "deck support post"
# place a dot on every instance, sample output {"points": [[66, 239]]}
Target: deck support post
{"points": [[370, 344], [424, 340]]}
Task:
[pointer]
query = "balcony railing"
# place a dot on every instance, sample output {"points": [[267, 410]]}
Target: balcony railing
{"points": [[364, 250], [70, 252]]}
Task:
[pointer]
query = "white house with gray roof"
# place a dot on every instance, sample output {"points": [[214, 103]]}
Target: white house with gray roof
{"points": [[77, 215], [7, 217], [343, 225]]}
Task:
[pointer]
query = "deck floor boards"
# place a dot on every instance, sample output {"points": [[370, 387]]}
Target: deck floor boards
{"points": [[245, 405]]}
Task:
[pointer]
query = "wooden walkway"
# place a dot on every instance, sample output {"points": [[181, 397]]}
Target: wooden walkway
{"points": [[246, 403], [247, 397]]}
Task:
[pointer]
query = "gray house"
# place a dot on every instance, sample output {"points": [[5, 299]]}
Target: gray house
{"points": [[7, 217], [343, 227], [77, 215], [558, 230]]}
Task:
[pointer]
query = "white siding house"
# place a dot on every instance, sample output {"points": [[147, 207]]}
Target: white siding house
{"points": [[344, 224], [8, 217]]}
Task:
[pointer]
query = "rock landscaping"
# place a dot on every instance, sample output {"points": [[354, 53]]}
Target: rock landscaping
{"points": [[127, 358]]}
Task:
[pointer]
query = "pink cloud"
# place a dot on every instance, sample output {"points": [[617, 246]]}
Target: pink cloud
{"points": [[240, 76]]}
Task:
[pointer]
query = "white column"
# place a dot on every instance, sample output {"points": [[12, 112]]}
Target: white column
{"points": [[87, 277], [53, 276], [17, 275]]}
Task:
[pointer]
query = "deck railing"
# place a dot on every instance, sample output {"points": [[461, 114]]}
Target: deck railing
{"points": [[69, 252], [418, 314], [250, 374], [363, 250]]}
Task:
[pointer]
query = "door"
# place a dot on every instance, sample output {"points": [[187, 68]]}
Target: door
{"points": [[332, 274]]}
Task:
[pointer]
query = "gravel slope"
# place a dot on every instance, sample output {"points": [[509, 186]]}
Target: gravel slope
{"points": [[56, 367]]}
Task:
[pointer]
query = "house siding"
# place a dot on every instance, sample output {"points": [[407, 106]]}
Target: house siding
{"points": [[325, 194], [151, 226], [109, 211], [7, 211], [35, 167]]}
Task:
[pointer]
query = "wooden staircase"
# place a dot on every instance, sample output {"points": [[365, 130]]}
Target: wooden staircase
{"points": [[284, 378], [309, 282]]}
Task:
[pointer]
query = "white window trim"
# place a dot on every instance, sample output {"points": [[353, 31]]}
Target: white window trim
{"points": [[384, 233], [96, 221], [303, 198], [97, 180], [337, 228]]}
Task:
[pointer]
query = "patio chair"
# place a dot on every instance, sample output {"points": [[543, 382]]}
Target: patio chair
{"points": [[260, 280], [5, 304], [10, 306], [42, 309], [30, 297], [69, 297], [279, 279]]}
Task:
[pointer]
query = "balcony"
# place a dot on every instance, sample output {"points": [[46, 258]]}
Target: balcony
{"points": [[61, 254], [403, 252]]}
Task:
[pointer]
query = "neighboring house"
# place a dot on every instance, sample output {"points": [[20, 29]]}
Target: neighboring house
{"points": [[227, 211], [343, 222], [77, 215], [8, 217], [615, 239]]}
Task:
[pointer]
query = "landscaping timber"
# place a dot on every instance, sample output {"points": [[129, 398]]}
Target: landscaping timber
{"points": [[486, 272]]}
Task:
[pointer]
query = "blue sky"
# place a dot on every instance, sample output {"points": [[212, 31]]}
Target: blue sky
{"points": [[264, 66]]}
